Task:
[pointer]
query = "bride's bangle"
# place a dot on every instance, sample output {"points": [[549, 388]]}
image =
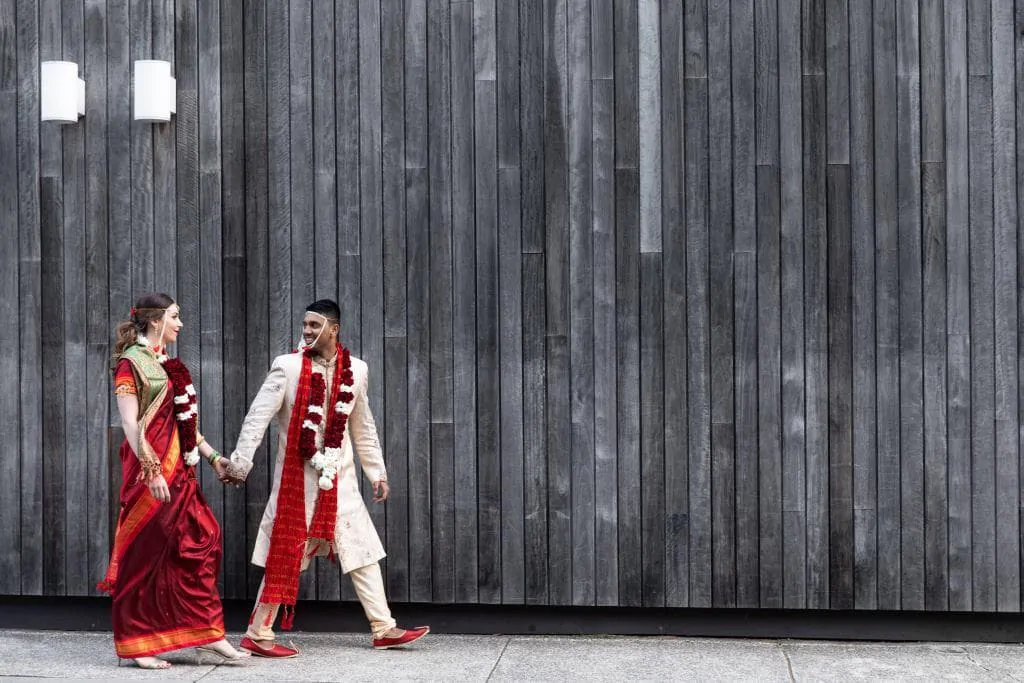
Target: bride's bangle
{"points": [[214, 457]]}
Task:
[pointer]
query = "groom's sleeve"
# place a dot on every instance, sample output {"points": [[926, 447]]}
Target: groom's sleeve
{"points": [[363, 431], [263, 409]]}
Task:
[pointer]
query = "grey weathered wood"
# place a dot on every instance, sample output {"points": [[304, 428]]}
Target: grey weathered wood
{"points": [[933, 120], [652, 427], [392, 377], [54, 382], [775, 569], [1007, 285], [936, 493], [76, 316], [507, 74], [257, 294], [511, 397], [837, 71], [791, 250], [697, 340], [417, 248], [649, 79], [840, 389], [557, 304], [475, 315], [164, 163], [982, 335], [532, 103], [886, 308], [371, 343], [862, 248], [10, 403], [581, 304], [606, 570], [140, 27], [627, 429], [97, 318], [535, 481], [510, 305], [325, 213], [816, 336], [745, 435], [627, 73], [674, 283], [440, 240], [225, 238], [720, 305]]}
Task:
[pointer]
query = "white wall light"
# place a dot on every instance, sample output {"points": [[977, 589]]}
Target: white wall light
{"points": [[61, 92], [155, 97]]}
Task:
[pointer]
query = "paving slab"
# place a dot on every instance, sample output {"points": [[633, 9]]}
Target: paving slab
{"points": [[539, 658], [837, 661]]}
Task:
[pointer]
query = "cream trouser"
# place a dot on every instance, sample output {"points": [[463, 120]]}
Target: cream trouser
{"points": [[369, 585]]}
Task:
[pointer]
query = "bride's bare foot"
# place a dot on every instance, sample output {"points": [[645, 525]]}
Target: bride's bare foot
{"points": [[152, 663], [224, 648]]}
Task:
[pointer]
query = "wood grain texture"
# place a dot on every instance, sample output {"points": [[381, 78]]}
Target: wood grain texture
{"points": [[689, 303]]}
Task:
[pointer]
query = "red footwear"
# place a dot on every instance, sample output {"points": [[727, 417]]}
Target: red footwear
{"points": [[275, 652], [409, 636]]}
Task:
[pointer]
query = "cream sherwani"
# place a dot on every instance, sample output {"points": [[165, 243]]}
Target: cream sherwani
{"points": [[355, 538], [356, 542]]}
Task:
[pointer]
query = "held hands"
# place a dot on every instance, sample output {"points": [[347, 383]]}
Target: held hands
{"points": [[227, 472]]}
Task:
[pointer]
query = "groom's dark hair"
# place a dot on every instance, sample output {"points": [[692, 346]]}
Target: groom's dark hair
{"points": [[327, 308]]}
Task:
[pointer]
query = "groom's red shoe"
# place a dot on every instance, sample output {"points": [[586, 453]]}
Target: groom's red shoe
{"points": [[274, 652], [409, 636]]}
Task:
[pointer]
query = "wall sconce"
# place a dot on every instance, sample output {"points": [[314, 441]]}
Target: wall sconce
{"points": [[155, 97], [61, 92]]}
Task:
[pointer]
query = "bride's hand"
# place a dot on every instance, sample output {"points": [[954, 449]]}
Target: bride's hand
{"points": [[158, 489], [225, 472]]}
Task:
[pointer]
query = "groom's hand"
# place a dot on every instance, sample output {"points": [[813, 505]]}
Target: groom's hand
{"points": [[381, 490], [226, 473]]}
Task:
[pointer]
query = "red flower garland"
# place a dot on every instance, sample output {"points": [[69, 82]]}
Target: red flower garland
{"points": [[186, 407]]}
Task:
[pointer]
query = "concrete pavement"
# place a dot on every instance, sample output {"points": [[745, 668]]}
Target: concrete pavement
{"points": [[347, 657]]}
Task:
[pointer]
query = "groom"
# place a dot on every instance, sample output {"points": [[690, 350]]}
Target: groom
{"points": [[318, 396]]}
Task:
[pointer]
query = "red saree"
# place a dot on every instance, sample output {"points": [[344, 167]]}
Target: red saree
{"points": [[166, 557]]}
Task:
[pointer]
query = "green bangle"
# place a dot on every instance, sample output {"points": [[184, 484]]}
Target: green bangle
{"points": [[214, 457]]}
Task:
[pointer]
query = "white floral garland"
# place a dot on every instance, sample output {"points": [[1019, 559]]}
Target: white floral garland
{"points": [[327, 461]]}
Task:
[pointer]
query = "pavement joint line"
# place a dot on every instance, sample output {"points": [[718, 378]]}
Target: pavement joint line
{"points": [[981, 666], [508, 641], [789, 663]]}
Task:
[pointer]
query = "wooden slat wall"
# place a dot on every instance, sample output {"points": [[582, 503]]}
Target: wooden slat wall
{"points": [[681, 303]]}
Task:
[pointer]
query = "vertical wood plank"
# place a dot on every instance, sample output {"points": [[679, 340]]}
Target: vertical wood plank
{"points": [[696, 147], [420, 493], [257, 291], [674, 298], [10, 403], [816, 333], [441, 343], [140, 42], [532, 150], [222, 184], [650, 129], [474, 314], [887, 307], [840, 389], [720, 306], [76, 317], [348, 174], [652, 427], [750, 124], [776, 573], [862, 255], [535, 429], [791, 274], [371, 260], [164, 162], [418, 302], [581, 305], [606, 578], [557, 304], [395, 370], [53, 454], [982, 298], [1007, 279], [325, 211], [510, 305]]}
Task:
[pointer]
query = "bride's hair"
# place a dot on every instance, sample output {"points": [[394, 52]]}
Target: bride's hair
{"points": [[148, 307]]}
